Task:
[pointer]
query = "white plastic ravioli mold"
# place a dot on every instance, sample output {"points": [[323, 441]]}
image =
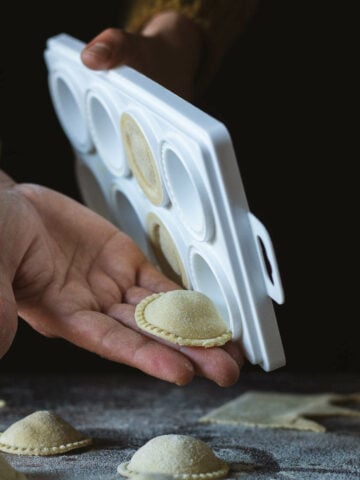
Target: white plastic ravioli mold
{"points": [[166, 173]]}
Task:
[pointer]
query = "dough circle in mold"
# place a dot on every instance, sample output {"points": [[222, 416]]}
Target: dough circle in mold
{"points": [[184, 317], [181, 456], [165, 251], [141, 159]]}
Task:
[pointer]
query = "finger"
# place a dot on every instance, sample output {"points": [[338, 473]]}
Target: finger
{"points": [[216, 364], [114, 341], [110, 48], [152, 279], [213, 363], [134, 295], [8, 315], [236, 351]]}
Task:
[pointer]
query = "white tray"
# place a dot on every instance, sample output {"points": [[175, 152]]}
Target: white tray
{"points": [[196, 224]]}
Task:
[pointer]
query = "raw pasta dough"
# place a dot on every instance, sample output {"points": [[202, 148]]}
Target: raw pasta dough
{"points": [[184, 317], [41, 433], [282, 410], [141, 159], [181, 456], [165, 250]]}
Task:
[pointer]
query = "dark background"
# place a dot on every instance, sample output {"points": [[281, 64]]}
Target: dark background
{"points": [[286, 93]]}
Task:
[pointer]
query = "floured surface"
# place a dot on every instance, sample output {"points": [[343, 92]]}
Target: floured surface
{"points": [[124, 409], [152, 476], [282, 410]]}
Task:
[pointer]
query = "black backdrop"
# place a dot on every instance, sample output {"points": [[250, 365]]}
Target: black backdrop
{"points": [[285, 93]]}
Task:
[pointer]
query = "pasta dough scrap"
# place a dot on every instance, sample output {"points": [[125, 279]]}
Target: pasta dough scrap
{"points": [[282, 410], [7, 472], [41, 433], [181, 456], [2, 403], [184, 317]]}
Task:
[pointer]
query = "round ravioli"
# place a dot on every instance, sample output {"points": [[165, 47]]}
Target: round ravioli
{"points": [[41, 433], [181, 456], [185, 317]]}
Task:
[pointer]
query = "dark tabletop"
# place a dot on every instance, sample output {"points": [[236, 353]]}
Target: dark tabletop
{"points": [[124, 410]]}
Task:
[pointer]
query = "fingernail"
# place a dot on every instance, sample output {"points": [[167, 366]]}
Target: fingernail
{"points": [[99, 50], [186, 379], [236, 352]]}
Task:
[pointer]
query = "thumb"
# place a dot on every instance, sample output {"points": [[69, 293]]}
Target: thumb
{"points": [[111, 48], [8, 314]]}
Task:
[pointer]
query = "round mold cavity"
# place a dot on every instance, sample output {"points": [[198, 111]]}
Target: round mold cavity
{"points": [[208, 277], [102, 112], [125, 212], [91, 190], [139, 149], [187, 191], [68, 100], [166, 247]]}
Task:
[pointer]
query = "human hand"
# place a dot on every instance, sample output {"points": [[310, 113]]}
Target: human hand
{"points": [[167, 50], [70, 273]]}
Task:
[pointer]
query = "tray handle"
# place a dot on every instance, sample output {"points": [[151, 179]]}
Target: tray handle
{"points": [[272, 279]]}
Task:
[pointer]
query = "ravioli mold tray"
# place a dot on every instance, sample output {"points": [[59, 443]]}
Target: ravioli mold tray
{"points": [[165, 172]]}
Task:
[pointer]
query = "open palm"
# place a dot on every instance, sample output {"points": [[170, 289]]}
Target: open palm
{"points": [[76, 276]]}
